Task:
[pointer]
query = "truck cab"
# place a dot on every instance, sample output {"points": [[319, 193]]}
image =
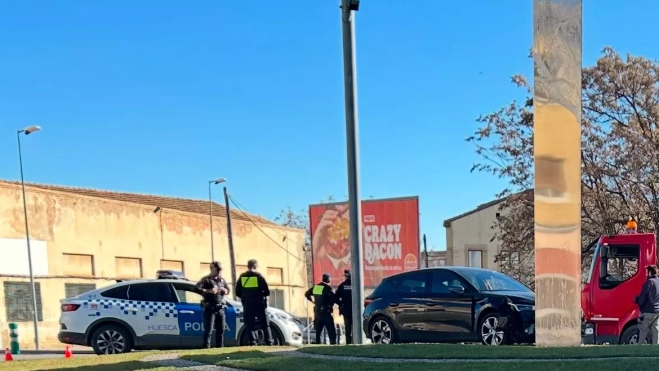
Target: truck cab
{"points": [[615, 278]]}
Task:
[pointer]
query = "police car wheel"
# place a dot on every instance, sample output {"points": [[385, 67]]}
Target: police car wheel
{"points": [[111, 339], [277, 338]]}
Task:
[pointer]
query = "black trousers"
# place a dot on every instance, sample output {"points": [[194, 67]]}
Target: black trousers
{"points": [[252, 313], [347, 322], [214, 318], [326, 321]]}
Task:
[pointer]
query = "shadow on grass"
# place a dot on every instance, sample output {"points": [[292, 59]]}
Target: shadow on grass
{"points": [[121, 366], [220, 358]]}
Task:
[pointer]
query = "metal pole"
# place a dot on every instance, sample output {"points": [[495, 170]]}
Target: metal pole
{"points": [[210, 215], [35, 316], [425, 250], [350, 86], [162, 237], [232, 256]]}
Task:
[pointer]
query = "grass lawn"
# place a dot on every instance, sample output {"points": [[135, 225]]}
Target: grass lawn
{"points": [[449, 351], [122, 362], [259, 361]]}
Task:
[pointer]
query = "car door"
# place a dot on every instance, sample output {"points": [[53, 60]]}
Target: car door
{"points": [[190, 315], [150, 310], [407, 305], [449, 314]]}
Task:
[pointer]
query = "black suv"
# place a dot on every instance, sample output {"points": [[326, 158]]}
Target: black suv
{"points": [[450, 304]]}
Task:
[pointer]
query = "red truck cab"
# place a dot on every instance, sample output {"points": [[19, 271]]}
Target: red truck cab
{"points": [[615, 278]]}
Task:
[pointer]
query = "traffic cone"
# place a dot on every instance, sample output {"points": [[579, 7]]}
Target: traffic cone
{"points": [[8, 356], [68, 353]]}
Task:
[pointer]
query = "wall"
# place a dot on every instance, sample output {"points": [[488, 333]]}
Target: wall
{"points": [[105, 229], [472, 232]]}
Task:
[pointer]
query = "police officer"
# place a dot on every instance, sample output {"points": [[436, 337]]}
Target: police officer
{"points": [[253, 291], [323, 299], [213, 288], [344, 300]]}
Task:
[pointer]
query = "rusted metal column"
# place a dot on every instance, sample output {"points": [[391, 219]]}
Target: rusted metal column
{"points": [[557, 30]]}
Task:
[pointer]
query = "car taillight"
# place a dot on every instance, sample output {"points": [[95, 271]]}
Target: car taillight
{"points": [[367, 301], [70, 307]]}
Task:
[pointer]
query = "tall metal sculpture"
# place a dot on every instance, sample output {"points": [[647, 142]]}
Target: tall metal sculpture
{"points": [[557, 30]]}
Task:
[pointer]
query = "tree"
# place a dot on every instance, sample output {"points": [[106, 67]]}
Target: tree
{"points": [[620, 168]]}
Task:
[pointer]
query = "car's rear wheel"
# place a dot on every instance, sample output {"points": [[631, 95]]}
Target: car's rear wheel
{"points": [[489, 331], [277, 337], [111, 339], [381, 331]]}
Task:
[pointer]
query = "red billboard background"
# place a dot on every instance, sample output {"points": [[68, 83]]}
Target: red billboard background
{"points": [[390, 238]]}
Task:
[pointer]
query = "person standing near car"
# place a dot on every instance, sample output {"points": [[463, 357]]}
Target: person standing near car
{"points": [[648, 303], [253, 291], [344, 300], [213, 288], [323, 299]]}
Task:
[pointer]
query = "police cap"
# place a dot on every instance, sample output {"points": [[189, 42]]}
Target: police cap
{"points": [[217, 265], [326, 277], [252, 263]]}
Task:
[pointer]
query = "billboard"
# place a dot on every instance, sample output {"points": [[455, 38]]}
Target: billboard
{"points": [[390, 237]]}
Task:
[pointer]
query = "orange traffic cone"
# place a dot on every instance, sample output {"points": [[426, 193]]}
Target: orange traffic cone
{"points": [[68, 353], [8, 356]]}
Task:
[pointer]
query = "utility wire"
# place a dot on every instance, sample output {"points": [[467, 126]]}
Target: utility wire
{"points": [[259, 228]]}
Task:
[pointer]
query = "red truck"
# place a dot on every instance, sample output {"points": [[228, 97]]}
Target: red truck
{"points": [[615, 278]]}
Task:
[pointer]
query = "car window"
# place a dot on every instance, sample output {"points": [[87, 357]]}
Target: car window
{"points": [[187, 293], [442, 280], [120, 292], [154, 291], [413, 283]]}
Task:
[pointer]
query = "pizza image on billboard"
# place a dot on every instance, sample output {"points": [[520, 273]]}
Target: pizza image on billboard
{"points": [[390, 238]]}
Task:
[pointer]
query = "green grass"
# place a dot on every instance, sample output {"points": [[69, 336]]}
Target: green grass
{"points": [[121, 362], [449, 351], [259, 361]]}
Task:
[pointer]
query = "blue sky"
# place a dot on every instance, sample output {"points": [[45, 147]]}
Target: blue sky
{"points": [[159, 96]]}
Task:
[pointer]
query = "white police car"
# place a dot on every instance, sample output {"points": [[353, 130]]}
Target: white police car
{"points": [[160, 313]]}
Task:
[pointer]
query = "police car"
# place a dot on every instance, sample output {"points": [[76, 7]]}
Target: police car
{"points": [[163, 313]]}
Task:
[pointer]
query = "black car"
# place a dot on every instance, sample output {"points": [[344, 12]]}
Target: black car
{"points": [[450, 304]]}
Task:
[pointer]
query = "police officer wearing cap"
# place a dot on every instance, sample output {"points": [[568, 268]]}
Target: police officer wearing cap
{"points": [[253, 291], [344, 300], [323, 299], [213, 288]]}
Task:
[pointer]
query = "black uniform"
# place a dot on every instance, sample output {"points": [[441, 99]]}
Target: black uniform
{"points": [[253, 291], [344, 300], [214, 305], [323, 298]]}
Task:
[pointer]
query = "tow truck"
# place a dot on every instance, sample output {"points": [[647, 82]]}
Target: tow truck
{"points": [[615, 277]]}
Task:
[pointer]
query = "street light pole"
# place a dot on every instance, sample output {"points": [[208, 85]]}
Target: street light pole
{"points": [[210, 211], [35, 316], [348, 9]]}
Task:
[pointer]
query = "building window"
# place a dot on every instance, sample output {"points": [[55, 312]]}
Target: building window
{"points": [[78, 265], [275, 275], [277, 299], [128, 267], [476, 258], [241, 269], [172, 265], [75, 289], [18, 301]]}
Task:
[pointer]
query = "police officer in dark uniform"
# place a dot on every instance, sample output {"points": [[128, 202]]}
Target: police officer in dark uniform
{"points": [[323, 299], [344, 300], [213, 288], [253, 291]]}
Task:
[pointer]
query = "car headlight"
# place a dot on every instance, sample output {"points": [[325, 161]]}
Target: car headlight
{"points": [[522, 307]]}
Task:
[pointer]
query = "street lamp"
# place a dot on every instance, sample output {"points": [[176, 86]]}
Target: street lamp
{"points": [[210, 212], [348, 9], [27, 131]]}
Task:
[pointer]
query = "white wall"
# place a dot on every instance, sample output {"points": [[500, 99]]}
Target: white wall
{"points": [[473, 232], [14, 261]]}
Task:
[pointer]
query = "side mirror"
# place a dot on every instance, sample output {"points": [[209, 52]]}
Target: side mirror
{"points": [[457, 289]]}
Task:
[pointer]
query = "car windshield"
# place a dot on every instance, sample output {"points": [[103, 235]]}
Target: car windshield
{"points": [[494, 281]]}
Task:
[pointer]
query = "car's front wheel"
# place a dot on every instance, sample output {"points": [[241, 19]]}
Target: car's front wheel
{"points": [[490, 332], [110, 339], [630, 336], [381, 331]]}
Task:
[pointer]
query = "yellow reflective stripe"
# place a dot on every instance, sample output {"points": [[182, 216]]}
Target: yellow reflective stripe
{"points": [[249, 282], [318, 289]]}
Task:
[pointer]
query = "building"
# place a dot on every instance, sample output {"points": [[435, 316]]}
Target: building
{"points": [[83, 239], [435, 259], [469, 237]]}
